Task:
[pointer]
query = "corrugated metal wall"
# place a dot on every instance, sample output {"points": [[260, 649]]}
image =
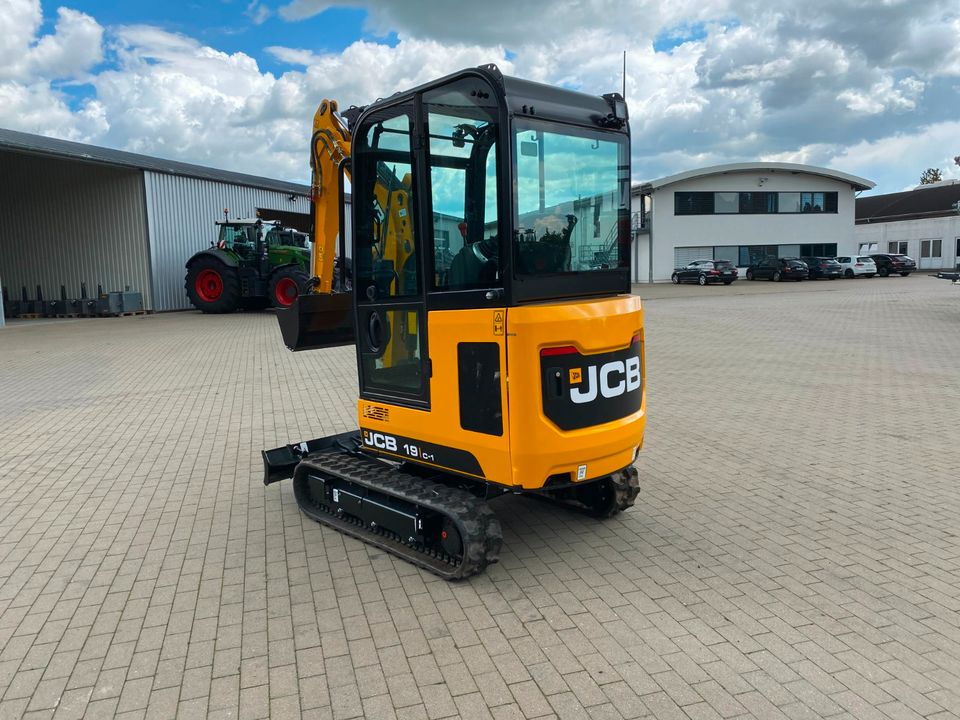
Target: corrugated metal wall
{"points": [[181, 213], [63, 222]]}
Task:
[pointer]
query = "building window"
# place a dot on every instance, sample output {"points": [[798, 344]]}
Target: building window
{"points": [[726, 202], [758, 202], [693, 203], [754, 254], [753, 203], [931, 248], [811, 202], [897, 247], [819, 250], [731, 253], [789, 202]]}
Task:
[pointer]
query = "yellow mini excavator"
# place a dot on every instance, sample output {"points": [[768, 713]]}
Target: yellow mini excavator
{"points": [[498, 347]]}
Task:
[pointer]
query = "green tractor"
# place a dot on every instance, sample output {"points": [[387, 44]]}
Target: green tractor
{"points": [[253, 265]]}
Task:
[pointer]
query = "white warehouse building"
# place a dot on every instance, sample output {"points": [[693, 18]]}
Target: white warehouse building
{"points": [[923, 223], [742, 212]]}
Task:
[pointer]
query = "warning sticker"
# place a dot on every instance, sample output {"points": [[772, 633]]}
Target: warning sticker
{"points": [[498, 322], [575, 376]]}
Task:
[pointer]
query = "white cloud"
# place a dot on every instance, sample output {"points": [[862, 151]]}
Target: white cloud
{"points": [[928, 146], [257, 12], [71, 49], [748, 79]]}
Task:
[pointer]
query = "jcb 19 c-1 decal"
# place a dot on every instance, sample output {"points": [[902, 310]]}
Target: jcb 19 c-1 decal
{"points": [[585, 390], [398, 447]]}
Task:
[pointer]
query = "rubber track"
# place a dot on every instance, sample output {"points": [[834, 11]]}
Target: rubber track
{"points": [[626, 487], [478, 525]]}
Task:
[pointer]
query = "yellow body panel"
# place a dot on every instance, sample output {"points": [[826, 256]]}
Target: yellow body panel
{"points": [[538, 448], [531, 448], [441, 424]]}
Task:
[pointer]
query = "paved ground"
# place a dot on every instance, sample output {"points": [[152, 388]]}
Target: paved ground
{"points": [[795, 551]]}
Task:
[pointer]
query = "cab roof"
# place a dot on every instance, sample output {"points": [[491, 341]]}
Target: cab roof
{"points": [[526, 98]]}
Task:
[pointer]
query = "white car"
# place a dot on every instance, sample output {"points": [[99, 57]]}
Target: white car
{"points": [[855, 265]]}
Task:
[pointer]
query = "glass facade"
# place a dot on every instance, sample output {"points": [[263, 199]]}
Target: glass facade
{"points": [[746, 255], [753, 203]]}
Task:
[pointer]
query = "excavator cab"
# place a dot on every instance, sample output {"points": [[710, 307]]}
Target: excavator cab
{"points": [[498, 347]]}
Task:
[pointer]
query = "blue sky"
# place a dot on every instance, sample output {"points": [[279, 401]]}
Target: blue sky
{"points": [[228, 26], [867, 88]]}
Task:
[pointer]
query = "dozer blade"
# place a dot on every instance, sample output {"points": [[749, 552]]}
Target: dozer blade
{"points": [[318, 321]]}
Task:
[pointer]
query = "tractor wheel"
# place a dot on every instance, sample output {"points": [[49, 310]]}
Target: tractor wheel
{"points": [[286, 284], [212, 286]]}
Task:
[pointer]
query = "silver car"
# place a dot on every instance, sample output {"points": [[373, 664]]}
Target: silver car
{"points": [[856, 265]]}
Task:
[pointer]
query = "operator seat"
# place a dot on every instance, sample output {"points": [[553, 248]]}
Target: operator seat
{"points": [[475, 265]]}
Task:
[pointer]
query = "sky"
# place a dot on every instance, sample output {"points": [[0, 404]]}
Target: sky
{"points": [[869, 87]]}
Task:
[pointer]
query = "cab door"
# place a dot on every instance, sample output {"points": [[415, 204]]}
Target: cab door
{"points": [[466, 306], [390, 305]]}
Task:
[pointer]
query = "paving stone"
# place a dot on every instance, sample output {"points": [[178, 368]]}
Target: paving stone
{"points": [[145, 572]]}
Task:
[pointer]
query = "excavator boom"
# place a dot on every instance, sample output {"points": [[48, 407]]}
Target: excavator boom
{"points": [[322, 315], [329, 163]]}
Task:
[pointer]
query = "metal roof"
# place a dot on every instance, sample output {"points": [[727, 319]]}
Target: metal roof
{"points": [[858, 183], [12, 140], [937, 200]]}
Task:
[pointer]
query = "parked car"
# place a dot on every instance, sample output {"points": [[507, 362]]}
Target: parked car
{"points": [[705, 272], [823, 267], [856, 265], [890, 263], [778, 269]]}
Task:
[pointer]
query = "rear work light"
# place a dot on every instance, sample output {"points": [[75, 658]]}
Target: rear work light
{"points": [[565, 350], [571, 350]]}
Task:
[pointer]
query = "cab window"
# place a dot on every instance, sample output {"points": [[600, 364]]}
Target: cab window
{"points": [[462, 155]]}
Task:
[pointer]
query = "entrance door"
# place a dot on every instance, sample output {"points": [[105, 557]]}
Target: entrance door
{"points": [[391, 332], [931, 254]]}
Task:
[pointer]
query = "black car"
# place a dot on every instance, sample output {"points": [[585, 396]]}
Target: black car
{"points": [[778, 269], [890, 263], [823, 267], [705, 272]]}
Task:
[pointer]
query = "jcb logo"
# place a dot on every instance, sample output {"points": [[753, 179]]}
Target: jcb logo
{"points": [[379, 440], [615, 378]]}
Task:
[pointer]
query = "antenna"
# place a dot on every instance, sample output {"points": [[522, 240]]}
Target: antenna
{"points": [[624, 74]]}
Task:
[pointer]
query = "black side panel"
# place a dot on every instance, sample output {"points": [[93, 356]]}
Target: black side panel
{"points": [[398, 447], [481, 406], [585, 390]]}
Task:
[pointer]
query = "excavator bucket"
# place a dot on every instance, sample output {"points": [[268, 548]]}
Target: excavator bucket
{"points": [[318, 321]]}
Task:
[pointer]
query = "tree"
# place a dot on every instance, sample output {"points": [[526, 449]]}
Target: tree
{"points": [[956, 159], [930, 176]]}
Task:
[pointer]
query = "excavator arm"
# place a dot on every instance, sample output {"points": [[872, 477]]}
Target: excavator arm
{"points": [[322, 315], [329, 163]]}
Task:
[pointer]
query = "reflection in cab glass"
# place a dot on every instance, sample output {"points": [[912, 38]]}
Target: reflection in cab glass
{"points": [[572, 197], [463, 180], [386, 260]]}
